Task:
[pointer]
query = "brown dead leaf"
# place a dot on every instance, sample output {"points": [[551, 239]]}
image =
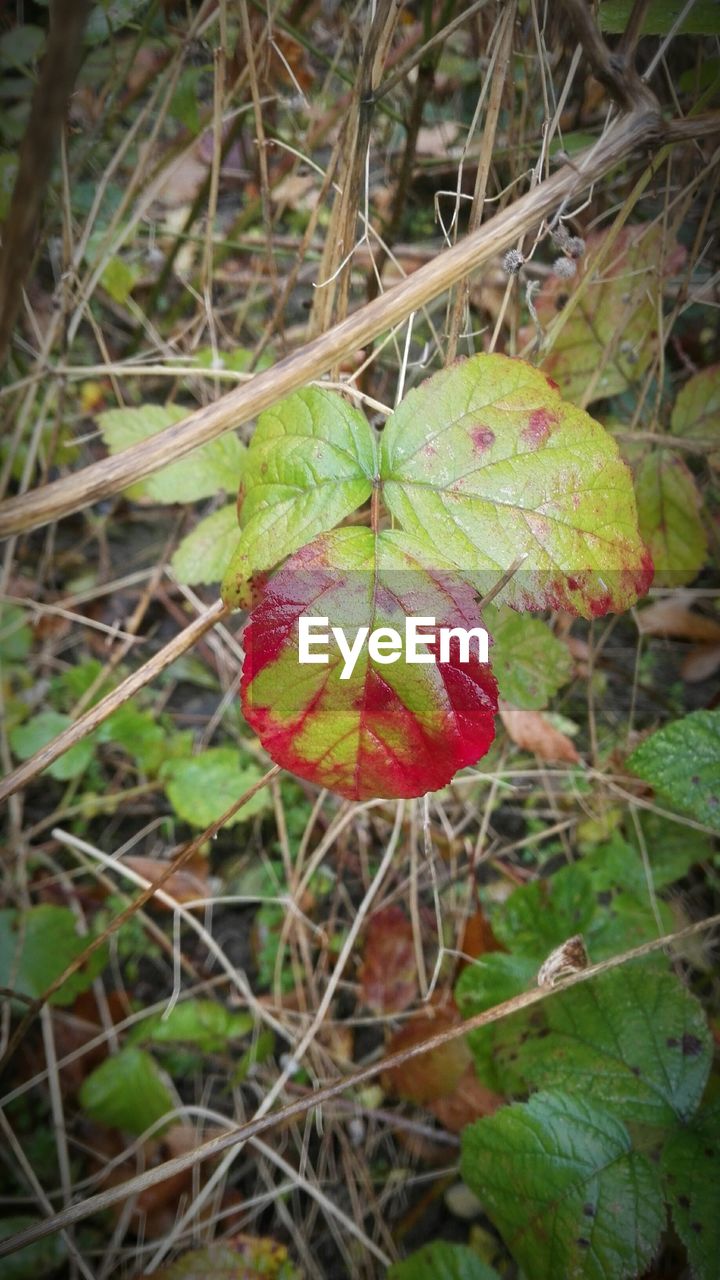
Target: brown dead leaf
{"points": [[469, 1100], [184, 885], [478, 937], [532, 731], [388, 974], [436, 1073], [673, 617], [701, 662]]}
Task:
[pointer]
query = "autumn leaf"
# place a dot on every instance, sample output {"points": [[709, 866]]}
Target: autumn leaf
{"points": [[388, 974], [486, 461], [532, 731], [434, 1074], [392, 730]]}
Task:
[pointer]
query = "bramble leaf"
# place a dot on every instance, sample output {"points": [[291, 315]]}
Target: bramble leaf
{"points": [[559, 1179], [203, 473], [690, 1162], [37, 945], [486, 461], [126, 1091], [27, 738], [541, 915], [200, 788], [311, 462], [204, 1023], [387, 730], [682, 762], [635, 1040], [530, 664], [203, 554], [669, 507], [441, 1260]]}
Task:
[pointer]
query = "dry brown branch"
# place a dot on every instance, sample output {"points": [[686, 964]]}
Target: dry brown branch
{"points": [[61, 61], [81, 727], [293, 1110], [100, 480], [616, 73]]}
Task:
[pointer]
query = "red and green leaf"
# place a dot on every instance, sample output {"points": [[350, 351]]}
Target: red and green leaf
{"points": [[487, 461], [389, 730]]}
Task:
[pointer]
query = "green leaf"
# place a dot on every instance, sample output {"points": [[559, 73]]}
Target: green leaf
{"points": [[672, 848], [199, 1022], [202, 787], [690, 1167], [37, 945], [633, 1039], [616, 312], [682, 763], [489, 981], [311, 462], [126, 1092], [669, 506], [696, 413], [139, 734], [203, 554], [541, 915], [492, 979], [530, 664], [21, 46], [15, 634], [559, 1179], [42, 1258], [108, 17], [120, 278], [441, 1260], [381, 726], [703, 18], [26, 739], [202, 474], [488, 463]]}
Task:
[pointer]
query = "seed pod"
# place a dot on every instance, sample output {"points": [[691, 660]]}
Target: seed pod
{"points": [[512, 261], [564, 268]]}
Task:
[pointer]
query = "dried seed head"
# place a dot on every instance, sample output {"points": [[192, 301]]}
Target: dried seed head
{"points": [[512, 261], [564, 268], [575, 246]]}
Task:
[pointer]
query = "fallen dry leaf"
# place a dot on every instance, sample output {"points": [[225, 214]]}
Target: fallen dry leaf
{"points": [[469, 1100], [673, 617], [701, 662], [437, 1073], [477, 937], [184, 885], [531, 731], [388, 974]]}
